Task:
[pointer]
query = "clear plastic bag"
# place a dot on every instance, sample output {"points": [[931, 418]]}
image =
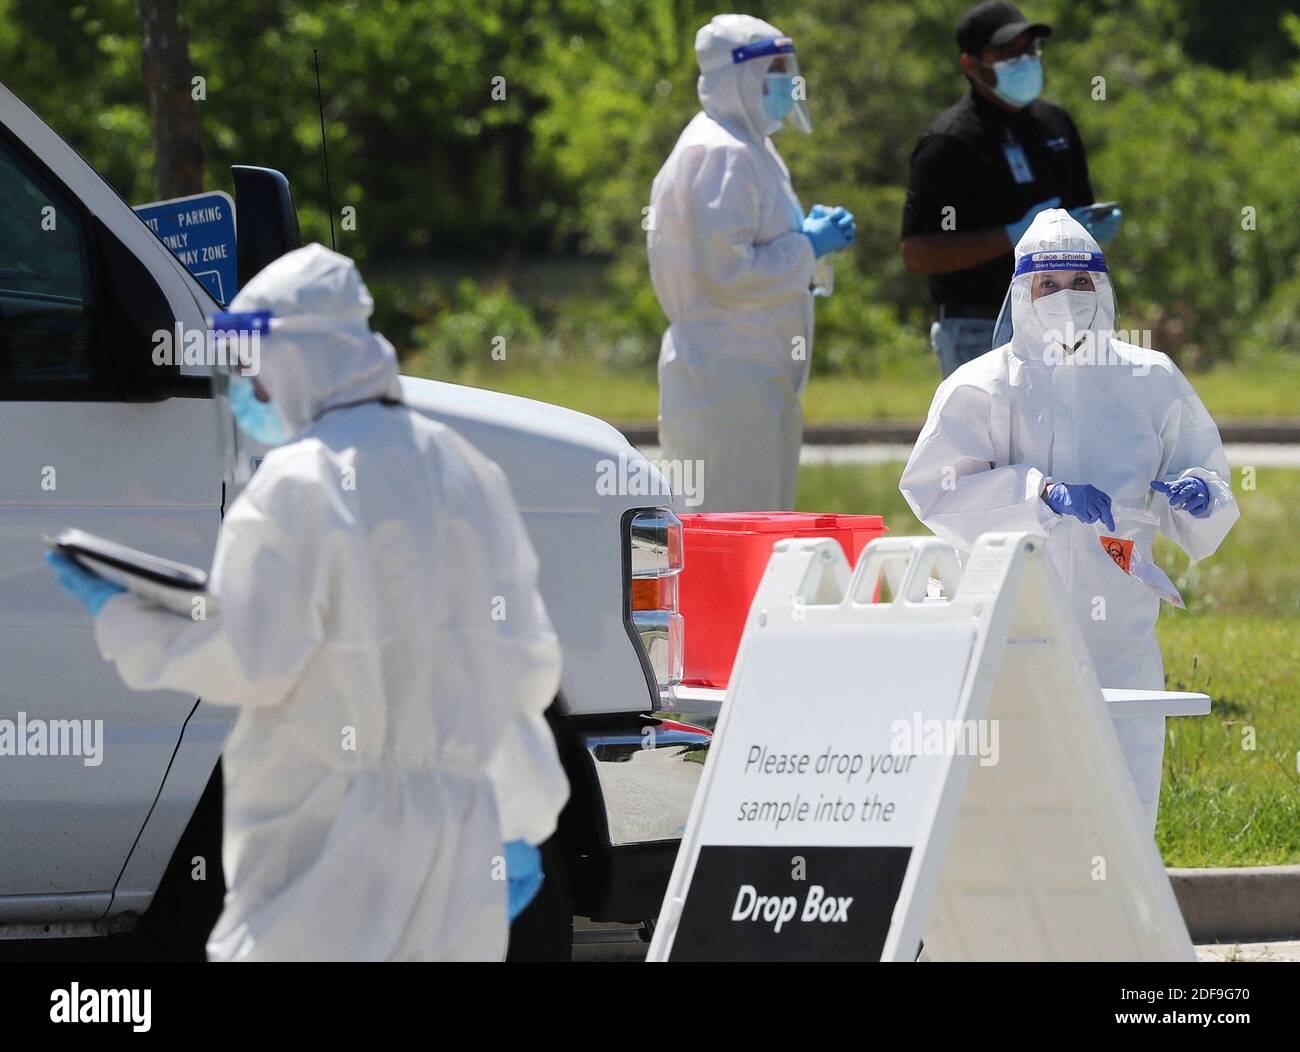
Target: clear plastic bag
{"points": [[1121, 544], [823, 282]]}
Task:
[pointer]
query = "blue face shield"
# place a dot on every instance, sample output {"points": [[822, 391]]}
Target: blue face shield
{"points": [[255, 418]]}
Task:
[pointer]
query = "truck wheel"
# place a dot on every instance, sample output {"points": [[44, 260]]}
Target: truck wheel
{"points": [[544, 931], [183, 911]]}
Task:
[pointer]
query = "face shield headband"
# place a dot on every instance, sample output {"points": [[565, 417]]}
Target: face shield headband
{"points": [[1034, 262], [235, 338], [237, 335]]}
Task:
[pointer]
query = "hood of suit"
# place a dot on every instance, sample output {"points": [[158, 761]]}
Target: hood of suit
{"points": [[320, 351], [1055, 240], [732, 92]]}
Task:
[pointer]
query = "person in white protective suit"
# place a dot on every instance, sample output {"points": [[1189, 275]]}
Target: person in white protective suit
{"points": [[1068, 431], [732, 258], [391, 736]]}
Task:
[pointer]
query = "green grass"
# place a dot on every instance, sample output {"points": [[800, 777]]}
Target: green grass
{"points": [[1222, 804], [903, 391], [1265, 388], [1231, 794], [616, 395], [624, 396]]}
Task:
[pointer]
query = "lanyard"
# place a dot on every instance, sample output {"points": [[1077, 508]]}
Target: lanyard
{"points": [[1017, 160]]}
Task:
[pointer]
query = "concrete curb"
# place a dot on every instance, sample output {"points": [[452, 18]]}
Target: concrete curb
{"points": [[1246, 904], [1265, 430]]}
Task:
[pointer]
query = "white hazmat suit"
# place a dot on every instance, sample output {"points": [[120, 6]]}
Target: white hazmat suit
{"points": [[390, 737], [732, 271], [1108, 414]]}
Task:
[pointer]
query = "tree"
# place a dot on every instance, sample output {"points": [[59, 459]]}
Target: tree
{"points": [[178, 155]]}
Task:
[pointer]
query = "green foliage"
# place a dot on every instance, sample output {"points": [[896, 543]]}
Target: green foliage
{"points": [[1185, 147], [476, 323], [1205, 164], [1200, 120]]}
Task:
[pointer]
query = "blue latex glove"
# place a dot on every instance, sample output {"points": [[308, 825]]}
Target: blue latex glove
{"points": [[829, 229], [1103, 228], [1015, 231], [1191, 495], [1085, 503], [523, 876], [91, 590]]}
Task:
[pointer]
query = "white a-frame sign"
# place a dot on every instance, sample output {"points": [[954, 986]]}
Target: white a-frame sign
{"points": [[917, 767]]}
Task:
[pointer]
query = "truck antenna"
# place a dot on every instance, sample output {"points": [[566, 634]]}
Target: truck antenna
{"points": [[324, 149]]}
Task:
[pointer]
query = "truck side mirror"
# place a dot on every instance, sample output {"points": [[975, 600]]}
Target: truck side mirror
{"points": [[266, 220]]}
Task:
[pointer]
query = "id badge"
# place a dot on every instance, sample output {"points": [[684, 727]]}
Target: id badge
{"points": [[1017, 161]]}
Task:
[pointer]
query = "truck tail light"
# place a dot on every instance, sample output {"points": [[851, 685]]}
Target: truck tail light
{"points": [[653, 545], [654, 593]]}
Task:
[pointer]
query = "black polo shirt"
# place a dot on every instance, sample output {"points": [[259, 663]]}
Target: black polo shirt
{"points": [[990, 165]]}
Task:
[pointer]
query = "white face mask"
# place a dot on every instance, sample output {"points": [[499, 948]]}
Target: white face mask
{"points": [[1069, 312]]}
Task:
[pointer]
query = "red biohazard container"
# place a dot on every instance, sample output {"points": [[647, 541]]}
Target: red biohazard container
{"points": [[725, 555]]}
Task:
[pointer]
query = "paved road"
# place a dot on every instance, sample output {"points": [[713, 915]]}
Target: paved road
{"points": [[1250, 951], [1272, 430], [619, 944], [1239, 454], [648, 794]]}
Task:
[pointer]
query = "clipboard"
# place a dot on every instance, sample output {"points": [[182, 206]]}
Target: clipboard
{"points": [[169, 584]]}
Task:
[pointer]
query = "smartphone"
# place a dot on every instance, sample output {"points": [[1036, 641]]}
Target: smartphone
{"points": [[1091, 213]]}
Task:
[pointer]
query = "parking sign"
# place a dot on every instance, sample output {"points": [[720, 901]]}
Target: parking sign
{"points": [[200, 231]]}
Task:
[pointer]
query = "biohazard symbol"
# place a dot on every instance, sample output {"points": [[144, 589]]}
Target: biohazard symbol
{"points": [[1120, 550]]}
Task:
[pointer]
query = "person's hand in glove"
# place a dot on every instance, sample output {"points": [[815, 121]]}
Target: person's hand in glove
{"points": [[1190, 494], [829, 229], [1104, 227], [89, 589], [1015, 231], [523, 876], [1086, 503]]}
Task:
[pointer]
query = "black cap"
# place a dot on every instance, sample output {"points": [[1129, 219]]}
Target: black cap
{"points": [[993, 24]]}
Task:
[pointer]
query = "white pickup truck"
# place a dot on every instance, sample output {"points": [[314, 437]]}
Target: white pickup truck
{"points": [[110, 800]]}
